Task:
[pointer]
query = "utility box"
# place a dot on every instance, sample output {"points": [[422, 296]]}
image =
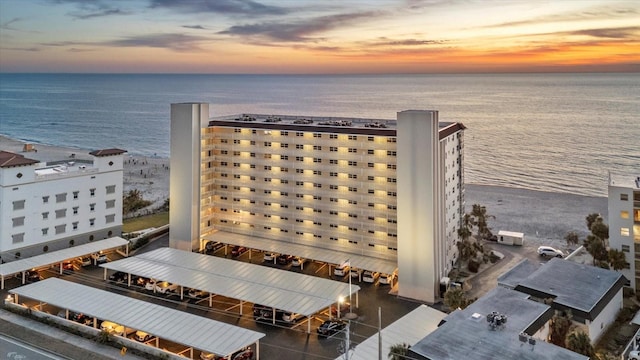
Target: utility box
{"points": [[510, 238]]}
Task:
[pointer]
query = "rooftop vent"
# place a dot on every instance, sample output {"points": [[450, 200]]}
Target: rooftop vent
{"points": [[496, 320]]}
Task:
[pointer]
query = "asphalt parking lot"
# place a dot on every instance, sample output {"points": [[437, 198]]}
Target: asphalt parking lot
{"points": [[282, 341]]}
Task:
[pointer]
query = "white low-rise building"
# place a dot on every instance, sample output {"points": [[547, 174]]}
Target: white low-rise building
{"points": [[47, 206]]}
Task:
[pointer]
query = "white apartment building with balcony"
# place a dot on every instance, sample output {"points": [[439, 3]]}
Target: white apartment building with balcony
{"points": [[388, 189], [47, 206], [624, 223]]}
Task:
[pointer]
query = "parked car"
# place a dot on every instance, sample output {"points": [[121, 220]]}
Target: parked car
{"points": [[269, 257], [81, 318], [212, 246], [140, 281], [68, 267], [118, 276], [207, 356], [32, 276], [258, 309], [298, 261], [197, 294], [355, 273], [387, 279], [548, 251], [142, 336], [331, 327], [244, 354], [634, 355], [166, 287], [341, 270], [99, 258], [370, 276], [114, 328], [238, 250], [291, 317], [85, 261], [284, 259], [150, 285]]}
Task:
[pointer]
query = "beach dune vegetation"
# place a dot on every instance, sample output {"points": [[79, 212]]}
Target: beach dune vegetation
{"points": [[132, 201]]}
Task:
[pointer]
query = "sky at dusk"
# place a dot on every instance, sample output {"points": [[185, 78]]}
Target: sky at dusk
{"points": [[317, 37]]}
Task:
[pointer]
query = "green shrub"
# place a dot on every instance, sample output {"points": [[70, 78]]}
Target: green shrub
{"points": [[473, 266]]}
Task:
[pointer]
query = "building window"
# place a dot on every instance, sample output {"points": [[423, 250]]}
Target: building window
{"points": [[92, 192], [353, 137], [391, 180], [353, 189], [391, 153], [61, 213], [625, 248], [299, 133], [317, 147], [333, 187], [370, 138], [353, 176], [317, 160], [333, 162], [391, 140], [92, 222], [299, 146], [18, 221], [60, 229], [370, 152], [17, 238], [110, 218], [370, 178], [92, 207], [75, 195], [299, 171], [75, 225], [391, 166], [18, 205], [624, 231], [353, 150], [624, 214], [45, 199], [111, 189], [624, 197], [333, 149], [61, 197], [284, 133], [45, 215], [299, 158], [45, 231], [75, 210], [333, 136], [267, 143], [353, 163], [236, 141], [110, 204]]}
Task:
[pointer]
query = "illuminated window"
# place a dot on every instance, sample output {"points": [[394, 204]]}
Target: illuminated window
{"points": [[624, 231], [624, 214], [333, 149]]}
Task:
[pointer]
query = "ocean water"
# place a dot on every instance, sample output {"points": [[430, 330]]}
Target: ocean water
{"points": [[548, 132]]}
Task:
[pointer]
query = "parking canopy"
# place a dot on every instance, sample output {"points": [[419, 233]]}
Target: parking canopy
{"points": [[58, 256], [280, 289], [308, 252], [178, 326], [409, 329]]}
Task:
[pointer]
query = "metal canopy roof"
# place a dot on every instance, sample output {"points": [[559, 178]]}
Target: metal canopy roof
{"points": [[55, 257], [284, 290], [177, 326], [308, 252], [409, 329]]}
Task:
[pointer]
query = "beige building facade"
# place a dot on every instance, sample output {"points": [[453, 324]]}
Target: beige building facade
{"points": [[389, 189]]}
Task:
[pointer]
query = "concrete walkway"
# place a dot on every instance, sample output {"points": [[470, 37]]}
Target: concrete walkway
{"points": [[56, 340]]}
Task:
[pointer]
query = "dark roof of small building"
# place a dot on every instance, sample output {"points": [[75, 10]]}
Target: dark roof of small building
{"points": [[9, 159], [107, 152], [466, 334], [583, 289], [512, 277]]}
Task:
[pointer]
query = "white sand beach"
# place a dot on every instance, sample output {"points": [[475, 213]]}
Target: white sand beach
{"points": [[543, 217]]}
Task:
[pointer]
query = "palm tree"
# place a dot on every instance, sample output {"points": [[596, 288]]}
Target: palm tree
{"points": [[398, 351], [572, 238], [600, 229], [591, 218], [595, 247], [455, 298], [617, 259], [559, 327], [578, 341], [480, 218]]}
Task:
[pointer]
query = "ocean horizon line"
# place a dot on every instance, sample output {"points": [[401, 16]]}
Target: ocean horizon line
{"points": [[330, 74]]}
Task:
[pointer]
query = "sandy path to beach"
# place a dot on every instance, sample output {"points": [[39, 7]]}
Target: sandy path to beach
{"points": [[543, 217]]}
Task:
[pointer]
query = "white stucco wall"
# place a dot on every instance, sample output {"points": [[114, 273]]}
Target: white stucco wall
{"points": [[606, 317]]}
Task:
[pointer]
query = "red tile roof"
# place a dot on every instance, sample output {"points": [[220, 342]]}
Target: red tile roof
{"points": [[108, 152], [9, 159]]}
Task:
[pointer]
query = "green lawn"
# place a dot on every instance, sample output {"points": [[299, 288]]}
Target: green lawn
{"points": [[145, 222]]}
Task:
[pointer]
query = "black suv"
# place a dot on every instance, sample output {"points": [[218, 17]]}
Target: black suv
{"points": [[331, 327], [118, 276]]}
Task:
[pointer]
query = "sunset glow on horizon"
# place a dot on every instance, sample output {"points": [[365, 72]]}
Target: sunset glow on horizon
{"points": [[319, 37]]}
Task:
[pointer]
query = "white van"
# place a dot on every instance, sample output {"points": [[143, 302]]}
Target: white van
{"points": [[115, 329]]}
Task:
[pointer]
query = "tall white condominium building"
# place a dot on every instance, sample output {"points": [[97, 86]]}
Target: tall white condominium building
{"points": [[624, 223], [54, 205], [389, 189]]}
